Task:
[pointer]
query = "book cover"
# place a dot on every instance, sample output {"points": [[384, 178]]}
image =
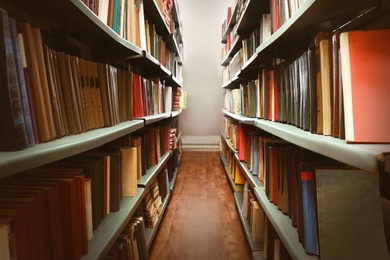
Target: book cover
{"points": [[365, 55], [13, 131], [343, 224]]}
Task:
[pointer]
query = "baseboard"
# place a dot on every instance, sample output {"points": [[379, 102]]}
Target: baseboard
{"points": [[200, 143]]}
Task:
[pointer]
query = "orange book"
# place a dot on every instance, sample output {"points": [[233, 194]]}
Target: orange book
{"points": [[38, 81], [365, 59]]}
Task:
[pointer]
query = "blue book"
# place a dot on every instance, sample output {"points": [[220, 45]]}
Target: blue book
{"points": [[309, 214]]}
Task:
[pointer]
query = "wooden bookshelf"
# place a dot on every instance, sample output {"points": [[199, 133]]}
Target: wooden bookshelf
{"points": [[111, 226]]}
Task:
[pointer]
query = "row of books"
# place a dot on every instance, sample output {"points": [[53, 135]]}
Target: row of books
{"points": [[261, 229], [165, 7], [131, 243], [249, 45], [53, 94], [253, 212], [89, 185], [127, 18], [43, 214], [293, 180], [281, 11], [152, 143], [153, 205], [320, 90], [260, 34], [157, 47], [236, 174]]}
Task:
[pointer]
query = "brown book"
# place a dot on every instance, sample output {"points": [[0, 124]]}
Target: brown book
{"points": [[324, 63], [335, 85], [53, 223], [31, 206], [129, 95], [312, 85], [43, 79], [86, 93], [53, 91], [80, 106], [59, 84], [122, 95], [13, 132], [113, 76], [68, 94], [96, 95], [105, 93], [73, 210], [7, 239], [129, 171]]}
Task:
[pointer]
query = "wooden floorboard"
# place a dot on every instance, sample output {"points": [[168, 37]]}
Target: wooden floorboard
{"points": [[201, 221]]}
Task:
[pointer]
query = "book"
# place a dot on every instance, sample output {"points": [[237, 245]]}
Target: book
{"points": [[129, 171], [343, 224], [312, 86], [325, 64], [13, 134], [365, 55], [24, 94], [6, 250]]}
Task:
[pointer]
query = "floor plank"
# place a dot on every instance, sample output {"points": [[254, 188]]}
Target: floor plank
{"points": [[201, 221]]}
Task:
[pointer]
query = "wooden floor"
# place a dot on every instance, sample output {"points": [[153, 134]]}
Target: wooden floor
{"points": [[201, 221]]}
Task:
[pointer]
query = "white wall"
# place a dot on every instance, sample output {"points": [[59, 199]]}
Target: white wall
{"points": [[200, 123]]}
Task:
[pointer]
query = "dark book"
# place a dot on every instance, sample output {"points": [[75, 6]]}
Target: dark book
{"points": [[13, 131], [312, 86], [336, 84], [24, 94], [343, 224], [304, 91]]}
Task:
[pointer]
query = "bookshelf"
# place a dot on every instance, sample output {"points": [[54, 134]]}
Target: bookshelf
{"points": [[72, 27], [292, 37], [153, 171], [108, 231], [151, 232], [40, 154], [255, 246]]}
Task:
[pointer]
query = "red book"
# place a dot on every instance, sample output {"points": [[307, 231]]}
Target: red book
{"points": [[241, 148], [138, 104], [365, 59]]}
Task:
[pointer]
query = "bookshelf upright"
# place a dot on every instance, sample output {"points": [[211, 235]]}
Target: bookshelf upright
{"points": [[266, 68]]}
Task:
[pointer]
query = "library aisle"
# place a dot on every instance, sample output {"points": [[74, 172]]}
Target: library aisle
{"points": [[201, 221]]}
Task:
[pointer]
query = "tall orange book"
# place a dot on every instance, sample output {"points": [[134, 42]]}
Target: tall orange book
{"points": [[365, 61]]}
